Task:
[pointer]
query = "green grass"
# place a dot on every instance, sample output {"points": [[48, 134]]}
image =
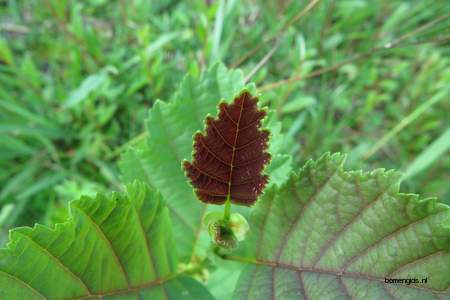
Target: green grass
{"points": [[369, 78]]}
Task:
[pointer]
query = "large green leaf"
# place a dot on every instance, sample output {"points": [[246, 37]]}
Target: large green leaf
{"points": [[117, 247], [170, 129], [329, 234]]}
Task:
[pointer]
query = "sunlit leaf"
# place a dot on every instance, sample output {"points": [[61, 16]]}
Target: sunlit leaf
{"points": [[117, 246]]}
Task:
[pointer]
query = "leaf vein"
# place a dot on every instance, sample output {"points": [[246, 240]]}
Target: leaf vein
{"points": [[220, 135], [214, 154], [145, 238], [392, 234], [58, 261], [416, 260], [347, 274], [210, 175], [331, 242], [302, 285], [108, 242], [298, 217], [23, 282]]}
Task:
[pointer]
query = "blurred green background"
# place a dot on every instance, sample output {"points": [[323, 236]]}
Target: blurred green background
{"points": [[368, 78]]}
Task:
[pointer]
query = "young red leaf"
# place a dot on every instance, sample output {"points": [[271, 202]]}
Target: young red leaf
{"points": [[229, 159]]}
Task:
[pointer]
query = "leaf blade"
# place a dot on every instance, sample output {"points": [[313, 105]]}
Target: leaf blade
{"points": [[342, 233], [233, 148], [180, 119], [107, 248]]}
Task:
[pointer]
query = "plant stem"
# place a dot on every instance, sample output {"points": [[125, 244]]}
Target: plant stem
{"points": [[227, 209], [247, 260]]}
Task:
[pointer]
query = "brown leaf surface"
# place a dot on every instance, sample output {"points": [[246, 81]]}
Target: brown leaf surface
{"points": [[229, 159]]}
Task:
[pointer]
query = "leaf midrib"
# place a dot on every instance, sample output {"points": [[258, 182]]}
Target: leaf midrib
{"points": [[233, 154], [133, 289], [338, 274], [343, 270]]}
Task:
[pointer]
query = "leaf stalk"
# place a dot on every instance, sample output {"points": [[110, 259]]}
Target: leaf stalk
{"points": [[227, 209]]}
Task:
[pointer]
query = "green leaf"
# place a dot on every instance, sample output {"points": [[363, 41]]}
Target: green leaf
{"points": [[437, 149], [134, 164], [89, 85], [119, 246], [170, 129], [6, 53], [298, 104], [152, 48], [329, 234]]}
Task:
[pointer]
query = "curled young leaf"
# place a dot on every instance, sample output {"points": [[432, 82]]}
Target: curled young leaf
{"points": [[229, 159], [226, 234]]}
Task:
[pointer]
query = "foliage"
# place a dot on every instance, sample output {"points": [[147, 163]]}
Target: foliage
{"points": [[113, 245], [328, 233], [171, 127], [325, 233], [77, 79]]}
